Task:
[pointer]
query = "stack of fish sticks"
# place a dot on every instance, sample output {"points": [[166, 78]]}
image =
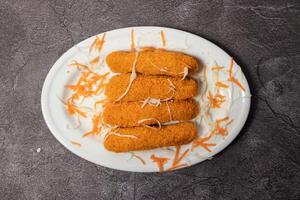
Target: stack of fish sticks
{"points": [[153, 108]]}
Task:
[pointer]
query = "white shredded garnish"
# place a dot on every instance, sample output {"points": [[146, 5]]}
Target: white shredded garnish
{"points": [[78, 124], [76, 106], [150, 119], [151, 101], [169, 98], [156, 102], [189, 66], [148, 126], [184, 73], [121, 135], [171, 84], [78, 120], [145, 102], [159, 68], [170, 123], [169, 111], [132, 77]]}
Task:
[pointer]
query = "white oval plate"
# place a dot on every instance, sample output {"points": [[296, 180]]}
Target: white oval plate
{"points": [[92, 147]]}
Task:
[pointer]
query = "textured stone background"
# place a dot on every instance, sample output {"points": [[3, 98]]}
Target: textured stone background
{"points": [[262, 163]]}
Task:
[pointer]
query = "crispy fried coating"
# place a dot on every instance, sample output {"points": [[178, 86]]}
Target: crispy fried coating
{"points": [[152, 61], [143, 87], [143, 138], [128, 114]]}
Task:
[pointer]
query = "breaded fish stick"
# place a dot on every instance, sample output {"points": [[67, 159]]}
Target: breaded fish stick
{"points": [[128, 114], [143, 87], [152, 61], [143, 138]]}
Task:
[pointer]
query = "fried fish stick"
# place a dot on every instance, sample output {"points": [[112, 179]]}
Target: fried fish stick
{"points": [[152, 61], [128, 114], [143, 87], [143, 138]]}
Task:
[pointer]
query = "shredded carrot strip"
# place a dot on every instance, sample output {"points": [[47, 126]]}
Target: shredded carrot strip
{"points": [[99, 102], [97, 43], [216, 68], [160, 162], [93, 44], [222, 119], [201, 142], [139, 158], [132, 40], [221, 85], [78, 65], [76, 143], [177, 158], [235, 81], [218, 130], [231, 78], [72, 109], [95, 60], [221, 130], [96, 126], [230, 66], [163, 39], [216, 100], [176, 167], [88, 84], [101, 42]]}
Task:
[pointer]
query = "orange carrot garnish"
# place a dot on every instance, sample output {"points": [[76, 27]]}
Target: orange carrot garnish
{"points": [[76, 143], [236, 82], [97, 43], [101, 42], [217, 130], [79, 66], [176, 167], [96, 126], [139, 158], [160, 162], [221, 85], [88, 84], [231, 78], [230, 66], [177, 158], [201, 142], [94, 60], [93, 44], [99, 102], [216, 68], [216, 100], [163, 39], [72, 109], [221, 130]]}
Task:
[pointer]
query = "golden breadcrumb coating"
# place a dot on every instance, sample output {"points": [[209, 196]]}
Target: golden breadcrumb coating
{"points": [[143, 87], [143, 138], [152, 61], [128, 114]]}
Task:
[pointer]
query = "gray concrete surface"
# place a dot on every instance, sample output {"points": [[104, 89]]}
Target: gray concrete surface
{"points": [[262, 163]]}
